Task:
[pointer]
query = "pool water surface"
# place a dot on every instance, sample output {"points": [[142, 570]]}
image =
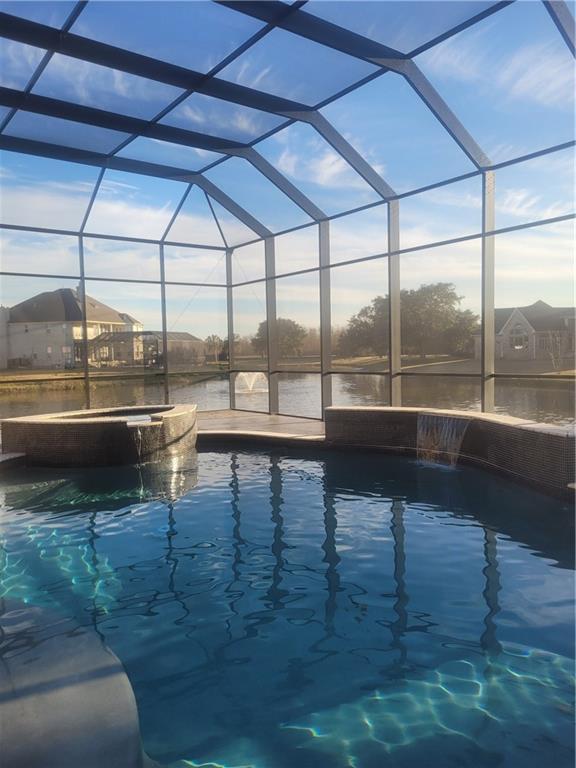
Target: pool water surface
{"points": [[333, 610]]}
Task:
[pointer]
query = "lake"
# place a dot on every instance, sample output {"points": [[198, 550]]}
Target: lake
{"points": [[550, 401]]}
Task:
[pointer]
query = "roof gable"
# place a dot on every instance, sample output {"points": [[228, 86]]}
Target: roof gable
{"points": [[64, 305], [540, 316]]}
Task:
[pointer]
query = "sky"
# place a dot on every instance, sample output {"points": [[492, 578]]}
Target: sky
{"points": [[509, 79]]}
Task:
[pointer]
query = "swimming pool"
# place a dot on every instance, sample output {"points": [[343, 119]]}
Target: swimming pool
{"points": [[281, 609]]}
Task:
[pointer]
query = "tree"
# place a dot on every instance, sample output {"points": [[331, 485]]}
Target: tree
{"points": [[224, 353], [213, 345], [290, 337], [430, 318], [458, 337], [367, 331], [428, 314]]}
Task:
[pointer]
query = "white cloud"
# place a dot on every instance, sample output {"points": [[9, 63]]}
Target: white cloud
{"points": [[250, 74], [49, 206], [317, 164], [195, 116], [538, 73], [458, 58], [17, 63], [100, 86], [524, 204], [245, 123], [447, 197], [287, 162]]}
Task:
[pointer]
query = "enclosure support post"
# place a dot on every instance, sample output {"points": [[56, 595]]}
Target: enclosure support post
{"points": [[325, 317], [394, 338], [272, 327], [164, 325], [487, 322], [230, 318], [84, 322], [562, 17]]}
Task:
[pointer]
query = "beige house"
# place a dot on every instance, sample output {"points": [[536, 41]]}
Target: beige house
{"points": [[536, 332], [45, 331]]}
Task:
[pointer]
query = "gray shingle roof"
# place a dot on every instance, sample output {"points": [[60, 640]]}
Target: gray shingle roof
{"points": [[541, 316], [64, 305]]}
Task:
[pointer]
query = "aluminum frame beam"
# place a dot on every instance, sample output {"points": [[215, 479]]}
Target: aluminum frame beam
{"points": [[110, 56], [271, 325], [394, 321], [487, 321], [78, 113], [230, 327], [114, 121], [562, 17], [440, 109], [460, 27], [164, 321], [176, 212], [281, 182], [76, 11], [54, 151], [348, 153], [343, 40], [325, 314], [85, 362], [75, 46], [232, 206], [316, 29]]}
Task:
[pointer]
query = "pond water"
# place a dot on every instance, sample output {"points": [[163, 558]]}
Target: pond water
{"points": [[281, 609], [550, 401]]}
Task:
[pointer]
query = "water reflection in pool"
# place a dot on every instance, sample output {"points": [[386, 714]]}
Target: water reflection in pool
{"points": [[330, 610]]}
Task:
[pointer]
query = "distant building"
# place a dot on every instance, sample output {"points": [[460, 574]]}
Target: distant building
{"points": [[115, 347], [45, 331], [535, 332]]}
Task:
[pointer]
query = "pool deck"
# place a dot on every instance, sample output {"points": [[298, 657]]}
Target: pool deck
{"points": [[244, 424]]}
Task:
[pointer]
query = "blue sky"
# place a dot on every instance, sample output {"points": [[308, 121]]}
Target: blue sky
{"points": [[510, 80]]}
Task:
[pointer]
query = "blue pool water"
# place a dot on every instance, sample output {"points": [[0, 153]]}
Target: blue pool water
{"points": [[280, 609]]}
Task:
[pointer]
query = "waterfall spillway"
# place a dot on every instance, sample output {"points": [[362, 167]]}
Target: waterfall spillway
{"points": [[137, 432], [248, 382], [439, 438]]}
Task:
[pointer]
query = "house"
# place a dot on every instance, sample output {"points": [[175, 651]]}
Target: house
{"points": [[184, 349], [45, 331], [535, 332]]}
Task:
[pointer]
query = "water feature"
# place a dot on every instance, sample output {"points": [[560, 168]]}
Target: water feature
{"points": [[251, 383], [439, 438]]}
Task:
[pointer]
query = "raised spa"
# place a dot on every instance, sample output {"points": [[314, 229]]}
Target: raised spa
{"points": [[103, 437]]}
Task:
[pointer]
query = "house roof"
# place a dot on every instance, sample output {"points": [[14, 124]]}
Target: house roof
{"points": [[130, 335], [541, 316], [65, 305], [175, 336]]}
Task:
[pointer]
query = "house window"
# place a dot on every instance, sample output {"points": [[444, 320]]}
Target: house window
{"points": [[48, 350], [518, 337]]}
